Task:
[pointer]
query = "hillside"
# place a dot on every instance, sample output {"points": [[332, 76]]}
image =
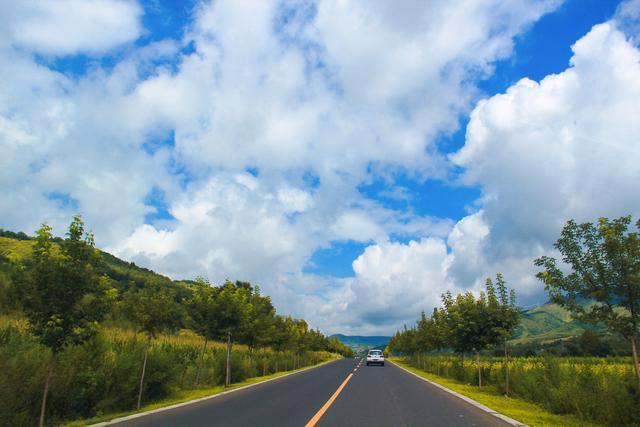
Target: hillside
{"points": [[123, 273], [547, 322]]}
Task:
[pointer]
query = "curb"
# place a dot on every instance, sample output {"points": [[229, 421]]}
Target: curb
{"points": [[470, 401], [201, 399]]}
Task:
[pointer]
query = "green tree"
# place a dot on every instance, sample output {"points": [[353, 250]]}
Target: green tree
{"points": [[152, 309], [259, 328], [201, 308], [503, 316], [60, 292], [604, 282], [477, 323], [232, 312]]}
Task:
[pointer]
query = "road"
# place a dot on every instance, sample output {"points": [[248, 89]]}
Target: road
{"points": [[372, 396]]}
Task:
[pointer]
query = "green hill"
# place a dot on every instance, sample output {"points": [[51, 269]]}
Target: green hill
{"points": [[122, 273], [547, 322]]}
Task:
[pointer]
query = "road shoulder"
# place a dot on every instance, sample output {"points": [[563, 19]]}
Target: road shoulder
{"points": [[470, 401], [529, 413]]}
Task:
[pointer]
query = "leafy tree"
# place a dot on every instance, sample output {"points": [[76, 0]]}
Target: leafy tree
{"points": [[591, 344], [604, 282], [152, 309], [232, 311], [60, 292], [201, 309], [260, 325], [503, 316], [475, 324]]}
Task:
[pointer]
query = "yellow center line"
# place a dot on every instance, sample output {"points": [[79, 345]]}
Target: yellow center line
{"points": [[313, 421]]}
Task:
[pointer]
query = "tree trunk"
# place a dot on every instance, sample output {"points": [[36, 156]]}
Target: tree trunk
{"points": [[264, 368], [227, 379], [204, 348], [144, 368], [479, 369], [43, 407], [634, 349], [506, 365]]}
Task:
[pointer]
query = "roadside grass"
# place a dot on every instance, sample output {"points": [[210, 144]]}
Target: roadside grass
{"points": [[185, 396], [520, 410]]}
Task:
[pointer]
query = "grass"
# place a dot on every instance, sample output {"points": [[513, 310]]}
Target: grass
{"points": [[184, 396], [15, 249], [525, 412]]}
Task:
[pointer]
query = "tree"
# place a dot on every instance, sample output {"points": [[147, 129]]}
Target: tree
{"points": [[152, 309], [504, 317], [232, 311], [475, 324], [201, 308], [603, 285], [60, 292], [260, 324]]}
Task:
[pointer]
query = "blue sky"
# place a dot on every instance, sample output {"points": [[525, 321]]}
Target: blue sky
{"points": [[355, 160]]}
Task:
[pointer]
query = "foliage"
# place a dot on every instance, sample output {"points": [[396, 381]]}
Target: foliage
{"points": [[604, 259], [525, 412], [102, 375], [464, 323], [152, 309], [59, 291], [592, 388]]}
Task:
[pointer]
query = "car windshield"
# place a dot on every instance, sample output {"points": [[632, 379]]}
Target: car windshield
{"points": [[375, 353]]}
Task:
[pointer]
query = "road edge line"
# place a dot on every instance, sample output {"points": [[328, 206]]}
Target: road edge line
{"points": [[470, 401], [200, 399]]}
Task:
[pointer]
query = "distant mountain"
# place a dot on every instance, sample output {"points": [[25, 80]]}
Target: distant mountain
{"points": [[360, 343], [548, 322]]}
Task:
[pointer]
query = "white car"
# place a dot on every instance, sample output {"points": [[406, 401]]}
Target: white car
{"points": [[375, 357]]}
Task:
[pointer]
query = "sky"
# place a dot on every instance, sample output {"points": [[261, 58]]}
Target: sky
{"points": [[355, 159]]}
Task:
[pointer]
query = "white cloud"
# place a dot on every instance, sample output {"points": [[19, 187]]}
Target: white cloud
{"points": [[63, 27], [337, 95], [565, 147]]}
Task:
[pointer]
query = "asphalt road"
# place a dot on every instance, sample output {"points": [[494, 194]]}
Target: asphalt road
{"points": [[374, 396]]}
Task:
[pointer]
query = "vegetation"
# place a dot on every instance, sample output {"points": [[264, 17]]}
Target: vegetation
{"points": [[605, 270], [594, 389], [60, 293], [528, 413], [95, 334], [465, 324], [597, 299]]}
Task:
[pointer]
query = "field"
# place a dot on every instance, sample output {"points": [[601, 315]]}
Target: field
{"points": [[593, 389]]}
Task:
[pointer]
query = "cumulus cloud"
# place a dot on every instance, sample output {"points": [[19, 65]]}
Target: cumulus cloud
{"points": [[313, 104], [543, 152], [562, 148], [64, 27]]}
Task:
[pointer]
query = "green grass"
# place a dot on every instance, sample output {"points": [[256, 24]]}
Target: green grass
{"points": [[525, 412], [15, 249], [184, 396]]}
